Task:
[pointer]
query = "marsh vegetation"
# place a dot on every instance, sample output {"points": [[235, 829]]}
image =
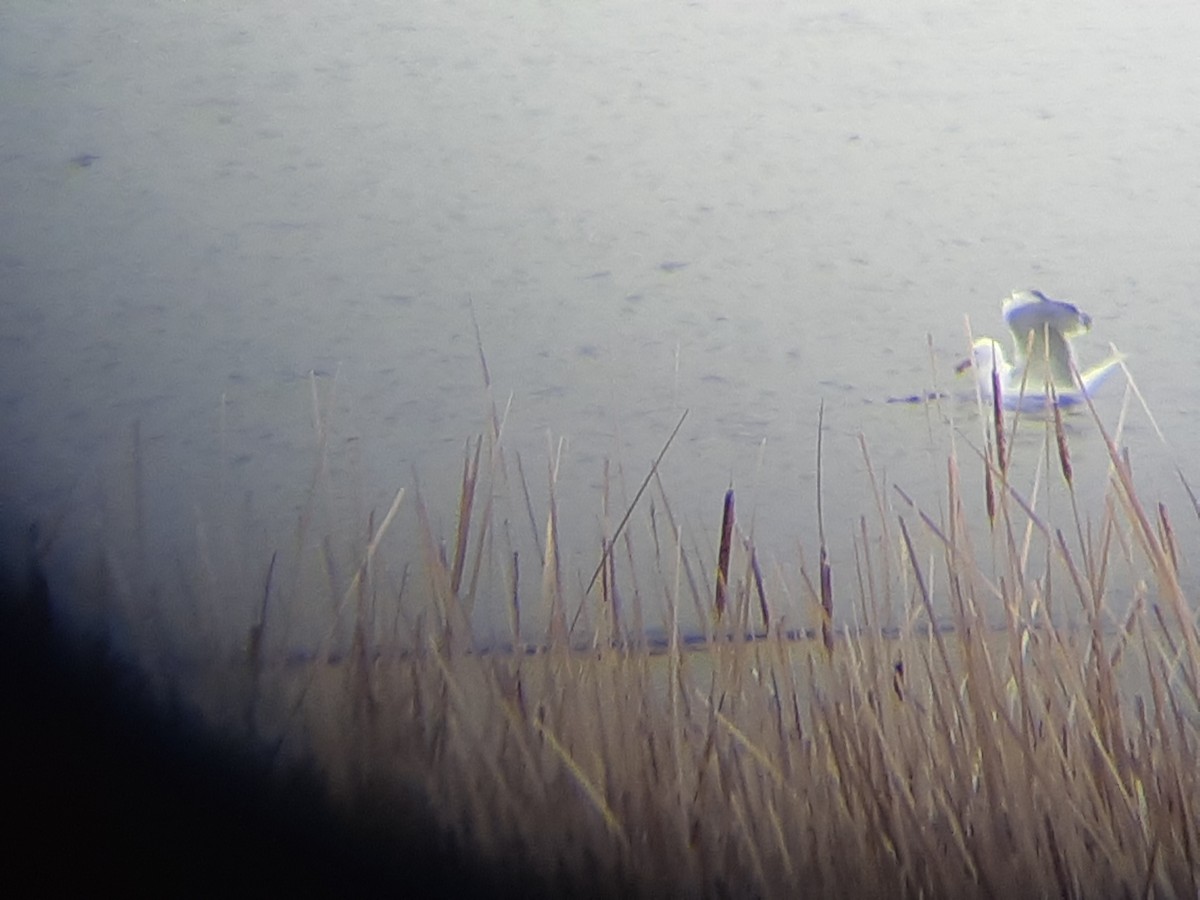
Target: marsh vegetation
{"points": [[990, 703]]}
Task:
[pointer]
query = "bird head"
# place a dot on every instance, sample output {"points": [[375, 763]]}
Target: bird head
{"points": [[986, 354]]}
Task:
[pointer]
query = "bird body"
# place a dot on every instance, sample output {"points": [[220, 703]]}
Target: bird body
{"points": [[1043, 370]]}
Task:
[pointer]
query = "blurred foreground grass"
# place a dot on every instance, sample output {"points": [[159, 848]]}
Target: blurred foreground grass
{"points": [[912, 752], [979, 707]]}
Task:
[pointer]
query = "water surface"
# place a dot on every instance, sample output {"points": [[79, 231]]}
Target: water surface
{"points": [[214, 209]]}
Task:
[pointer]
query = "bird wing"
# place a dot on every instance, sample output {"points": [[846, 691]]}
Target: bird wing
{"points": [[1098, 374], [1047, 356]]}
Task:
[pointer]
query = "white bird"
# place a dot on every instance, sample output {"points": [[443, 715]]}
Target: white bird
{"points": [[1043, 370]]}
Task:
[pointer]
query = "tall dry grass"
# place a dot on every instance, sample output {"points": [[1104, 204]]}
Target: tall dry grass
{"points": [[917, 751]]}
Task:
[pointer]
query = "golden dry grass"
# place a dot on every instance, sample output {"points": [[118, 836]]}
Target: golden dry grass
{"points": [[1052, 755]]}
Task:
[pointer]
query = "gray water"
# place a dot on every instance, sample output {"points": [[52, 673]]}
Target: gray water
{"points": [[212, 210]]}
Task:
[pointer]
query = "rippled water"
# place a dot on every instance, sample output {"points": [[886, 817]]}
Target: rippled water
{"points": [[212, 209]]}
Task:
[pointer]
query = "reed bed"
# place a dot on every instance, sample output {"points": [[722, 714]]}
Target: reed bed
{"points": [[874, 732]]}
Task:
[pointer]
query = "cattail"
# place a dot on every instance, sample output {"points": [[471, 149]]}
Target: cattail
{"points": [[466, 499], [989, 490], [515, 599], [723, 552], [827, 600], [998, 421], [1060, 434]]}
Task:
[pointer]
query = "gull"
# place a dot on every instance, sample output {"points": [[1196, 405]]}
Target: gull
{"points": [[1043, 371]]}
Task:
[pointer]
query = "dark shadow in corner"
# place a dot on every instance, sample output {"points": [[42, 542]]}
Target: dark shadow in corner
{"points": [[102, 786]]}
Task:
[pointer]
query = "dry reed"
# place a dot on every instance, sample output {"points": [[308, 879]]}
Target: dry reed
{"points": [[941, 756]]}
